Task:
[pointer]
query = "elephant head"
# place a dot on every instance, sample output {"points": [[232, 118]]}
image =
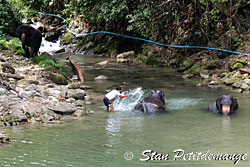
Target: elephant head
{"points": [[226, 105], [155, 102]]}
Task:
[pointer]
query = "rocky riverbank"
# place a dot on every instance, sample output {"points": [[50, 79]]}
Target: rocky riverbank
{"points": [[28, 95]]}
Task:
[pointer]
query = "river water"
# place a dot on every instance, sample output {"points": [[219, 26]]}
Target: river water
{"points": [[106, 139]]}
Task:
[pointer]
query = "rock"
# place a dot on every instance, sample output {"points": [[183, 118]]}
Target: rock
{"points": [[32, 87], [188, 63], [211, 65], [18, 115], [79, 103], [79, 113], [247, 81], [4, 139], [46, 118], [120, 60], [90, 112], [237, 84], [103, 63], [107, 145], [3, 91], [85, 87], [25, 82], [187, 76], [25, 94], [70, 100], [173, 62], [77, 94], [245, 86], [55, 93], [62, 50], [87, 102], [204, 74], [125, 55], [63, 108], [101, 77], [67, 38], [113, 53], [53, 35], [58, 79], [213, 83], [75, 85], [53, 99], [230, 81], [7, 68], [195, 69]]}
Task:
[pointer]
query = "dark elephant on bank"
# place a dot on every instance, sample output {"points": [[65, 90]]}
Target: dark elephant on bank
{"points": [[224, 105], [30, 37], [155, 102]]}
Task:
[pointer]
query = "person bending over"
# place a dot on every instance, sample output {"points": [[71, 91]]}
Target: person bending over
{"points": [[112, 95]]}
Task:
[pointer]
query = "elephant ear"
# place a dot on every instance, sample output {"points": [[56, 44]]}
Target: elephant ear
{"points": [[218, 105], [152, 92], [235, 105], [162, 96]]}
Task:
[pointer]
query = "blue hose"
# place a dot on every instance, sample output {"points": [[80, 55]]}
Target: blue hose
{"points": [[126, 36]]}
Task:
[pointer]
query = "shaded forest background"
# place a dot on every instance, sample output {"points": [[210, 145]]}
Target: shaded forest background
{"points": [[214, 23]]}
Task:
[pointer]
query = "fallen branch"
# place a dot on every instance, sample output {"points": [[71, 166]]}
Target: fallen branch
{"points": [[11, 76], [79, 71], [245, 70]]}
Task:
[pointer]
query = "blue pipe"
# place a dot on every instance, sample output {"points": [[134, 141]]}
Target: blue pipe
{"points": [[126, 36]]}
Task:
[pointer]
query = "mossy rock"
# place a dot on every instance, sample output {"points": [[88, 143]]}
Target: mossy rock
{"points": [[188, 62], [195, 69], [212, 65], [237, 66], [58, 79], [67, 38], [181, 69], [7, 68]]}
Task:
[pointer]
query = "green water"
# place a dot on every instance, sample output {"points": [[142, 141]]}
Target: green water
{"points": [[102, 139]]}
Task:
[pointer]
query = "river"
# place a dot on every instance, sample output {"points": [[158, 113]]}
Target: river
{"points": [[106, 139]]}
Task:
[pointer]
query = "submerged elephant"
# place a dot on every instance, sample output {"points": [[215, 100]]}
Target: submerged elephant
{"points": [[155, 102], [224, 105]]}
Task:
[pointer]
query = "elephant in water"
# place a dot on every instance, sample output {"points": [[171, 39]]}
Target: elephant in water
{"points": [[224, 105], [155, 102]]}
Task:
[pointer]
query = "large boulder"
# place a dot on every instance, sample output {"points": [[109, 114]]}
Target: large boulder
{"points": [[58, 79], [77, 94], [63, 108]]}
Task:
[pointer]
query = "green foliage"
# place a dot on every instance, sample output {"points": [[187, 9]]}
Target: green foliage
{"points": [[212, 65], [243, 61], [195, 69], [42, 57], [248, 37], [237, 66], [215, 14], [44, 60], [13, 44], [50, 6], [9, 18]]}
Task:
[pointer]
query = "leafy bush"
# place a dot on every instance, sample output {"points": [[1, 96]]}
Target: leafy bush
{"points": [[13, 44], [9, 19], [44, 60]]}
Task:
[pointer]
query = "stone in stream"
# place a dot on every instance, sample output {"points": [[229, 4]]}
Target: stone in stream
{"points": [[4, 139], [63, 108], [101, 77]]}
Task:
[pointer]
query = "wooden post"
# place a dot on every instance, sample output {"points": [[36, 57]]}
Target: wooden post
{"points": [[79, 70]]}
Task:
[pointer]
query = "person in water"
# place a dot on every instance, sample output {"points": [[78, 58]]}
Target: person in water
{"points": [[112, 95]]}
